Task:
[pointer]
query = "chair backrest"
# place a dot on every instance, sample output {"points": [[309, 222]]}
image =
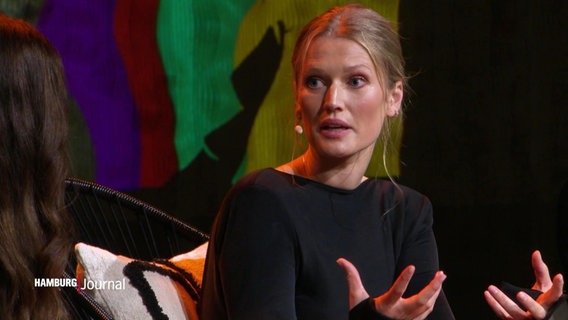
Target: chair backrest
{"points": [[123, 225]]}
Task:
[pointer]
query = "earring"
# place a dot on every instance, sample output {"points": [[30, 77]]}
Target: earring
{"points": [[298, 128]]}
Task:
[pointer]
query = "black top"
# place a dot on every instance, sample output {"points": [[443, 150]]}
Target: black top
{"points": [[277, 237]]}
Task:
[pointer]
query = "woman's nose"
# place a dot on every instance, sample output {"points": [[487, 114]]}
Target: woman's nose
{"points": [[333, 99]]}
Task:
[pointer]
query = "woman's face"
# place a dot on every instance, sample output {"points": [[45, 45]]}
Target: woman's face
{"points": [[340, 99]]}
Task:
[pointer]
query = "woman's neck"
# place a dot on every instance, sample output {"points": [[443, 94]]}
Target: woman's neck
{"points": [[339, 173]]}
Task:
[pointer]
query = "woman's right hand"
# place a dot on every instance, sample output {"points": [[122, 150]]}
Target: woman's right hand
{"points": [[391, 304]]}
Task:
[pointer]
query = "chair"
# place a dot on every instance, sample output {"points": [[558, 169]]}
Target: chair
{"points": [[124, 225]]}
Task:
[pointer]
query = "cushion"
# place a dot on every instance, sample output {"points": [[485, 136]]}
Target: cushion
{"points": [[136, 289]]}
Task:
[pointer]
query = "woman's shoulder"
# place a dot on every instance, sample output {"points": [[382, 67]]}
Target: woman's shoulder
{"points": [[391, 187], [267, 177], [263, 181], [396, 193]]}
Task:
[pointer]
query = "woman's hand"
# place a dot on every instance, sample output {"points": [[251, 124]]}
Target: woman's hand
{"points": [[392, 304], [505, 308]]}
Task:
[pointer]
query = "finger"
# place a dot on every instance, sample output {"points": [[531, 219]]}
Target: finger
{"points": [[558, 284], [399, 286], [435, 284], [534, 308], [543, 282], [423, 305], [548, 298], [423, 302], [495, 306], [357, 292], [424, 314], [506, 303]]}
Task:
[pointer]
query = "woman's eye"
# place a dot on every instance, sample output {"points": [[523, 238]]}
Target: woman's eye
{"points": [[314, 83], [356, 81]]}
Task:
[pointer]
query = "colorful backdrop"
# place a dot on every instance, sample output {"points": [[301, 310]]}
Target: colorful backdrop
{"points": [[175, 99], [158, 82]]}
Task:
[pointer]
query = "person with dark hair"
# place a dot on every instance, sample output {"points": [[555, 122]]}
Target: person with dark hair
{"points": [[285, 238], [35, 234]]}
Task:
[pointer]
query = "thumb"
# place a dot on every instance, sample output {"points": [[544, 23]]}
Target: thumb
{"points": [[357, 292], [543, 281]]}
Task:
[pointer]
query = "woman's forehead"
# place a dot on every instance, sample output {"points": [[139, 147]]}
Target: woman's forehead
{"points": [[337, 50]]}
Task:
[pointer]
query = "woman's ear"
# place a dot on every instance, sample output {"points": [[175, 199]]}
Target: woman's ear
{"points": [[394, 101], [298, 113]]}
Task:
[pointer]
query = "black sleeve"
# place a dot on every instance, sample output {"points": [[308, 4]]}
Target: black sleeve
{"points": [[251, 273], [419, 248], [365, 310]]}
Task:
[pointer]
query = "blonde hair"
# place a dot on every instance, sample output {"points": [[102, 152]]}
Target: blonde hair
{"points": [[370, 30]]}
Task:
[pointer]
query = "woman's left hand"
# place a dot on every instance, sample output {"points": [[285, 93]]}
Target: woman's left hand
{"points": [[392, 304], [505, 308]]}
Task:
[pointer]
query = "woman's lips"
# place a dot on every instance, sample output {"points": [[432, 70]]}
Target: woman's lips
{"points": [[334, 128]]}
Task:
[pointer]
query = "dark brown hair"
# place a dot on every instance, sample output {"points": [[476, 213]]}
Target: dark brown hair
{"points": [[35, 239]]}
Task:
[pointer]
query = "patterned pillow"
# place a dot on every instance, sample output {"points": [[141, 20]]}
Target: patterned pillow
{"points": [[136, 289]]}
